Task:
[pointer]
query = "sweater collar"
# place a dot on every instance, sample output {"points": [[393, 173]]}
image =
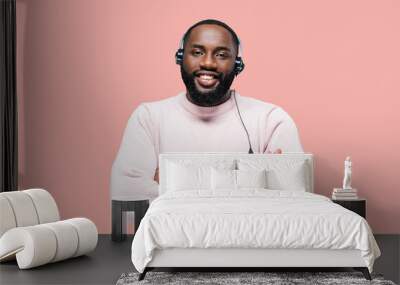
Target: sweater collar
{"points": [[207, 112]]}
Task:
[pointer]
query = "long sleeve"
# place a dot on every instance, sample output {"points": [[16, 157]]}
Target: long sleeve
{"points": [[132, 174], [284, 133]]}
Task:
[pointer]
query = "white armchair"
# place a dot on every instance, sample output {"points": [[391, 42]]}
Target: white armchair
{"points": [[31, 230]]}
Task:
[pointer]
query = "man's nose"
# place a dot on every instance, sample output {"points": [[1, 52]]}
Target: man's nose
{"points": [[208, 62]]}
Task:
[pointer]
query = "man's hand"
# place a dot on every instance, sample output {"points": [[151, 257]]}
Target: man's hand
{"points": [[156, 176], [278, 151]]}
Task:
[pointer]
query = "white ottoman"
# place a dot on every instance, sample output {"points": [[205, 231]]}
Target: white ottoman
{"points": [[31, 232]]}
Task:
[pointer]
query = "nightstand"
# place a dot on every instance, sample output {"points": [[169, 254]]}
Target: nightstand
{"points": [[358, 206]]}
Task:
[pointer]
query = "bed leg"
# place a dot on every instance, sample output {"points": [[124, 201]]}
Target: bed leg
{"points": [[143, 274], [364, 271]]}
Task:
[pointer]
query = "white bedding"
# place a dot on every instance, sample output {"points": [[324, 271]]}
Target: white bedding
{"points": [[250, 218]]}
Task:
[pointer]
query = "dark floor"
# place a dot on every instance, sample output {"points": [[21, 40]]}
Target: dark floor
{"points": [[102, 266], [110, 260]]}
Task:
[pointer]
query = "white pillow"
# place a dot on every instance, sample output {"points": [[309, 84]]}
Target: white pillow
{"points": [[181, 177], [189, 174], [251, 178], [281, 174], [223, 179], [288, 178]]}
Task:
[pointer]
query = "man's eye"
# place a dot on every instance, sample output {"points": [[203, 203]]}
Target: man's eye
{"points": [[197, 52], [222, 55]]}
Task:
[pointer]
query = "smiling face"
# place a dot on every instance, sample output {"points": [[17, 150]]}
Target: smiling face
{"points": [[208, 65]]}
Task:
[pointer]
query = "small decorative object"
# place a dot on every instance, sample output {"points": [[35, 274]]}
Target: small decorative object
{"points": [[347, 192], [347, 173]]}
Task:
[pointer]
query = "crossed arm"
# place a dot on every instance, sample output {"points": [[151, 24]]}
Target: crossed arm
{"points": [[135, 174]]}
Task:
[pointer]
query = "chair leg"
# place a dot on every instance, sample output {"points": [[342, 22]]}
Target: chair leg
{"points": [[364, 271], [117, 221], [140, 209], [143, 274]]}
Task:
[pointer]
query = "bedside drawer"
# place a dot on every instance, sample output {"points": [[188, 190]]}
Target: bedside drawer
{"points": [[358, 206]]}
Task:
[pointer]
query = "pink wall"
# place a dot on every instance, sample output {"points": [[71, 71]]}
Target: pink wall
{"points": [[83, 66]]}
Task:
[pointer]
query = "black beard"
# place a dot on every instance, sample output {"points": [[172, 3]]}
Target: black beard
{"points": [[208, 99]]}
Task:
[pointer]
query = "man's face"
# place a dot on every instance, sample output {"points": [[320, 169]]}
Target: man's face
{"points": [[208, 64]]}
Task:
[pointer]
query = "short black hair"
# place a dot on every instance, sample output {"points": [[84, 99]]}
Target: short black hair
{"points": [[212, 22]]}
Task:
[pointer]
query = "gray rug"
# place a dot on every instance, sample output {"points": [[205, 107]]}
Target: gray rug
{"points": [[268, 278]]}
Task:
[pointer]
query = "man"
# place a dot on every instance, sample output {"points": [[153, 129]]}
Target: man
{"points": [[208, 117]]}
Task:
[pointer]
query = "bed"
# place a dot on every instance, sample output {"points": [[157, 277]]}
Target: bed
{"points": [[247, 210]]}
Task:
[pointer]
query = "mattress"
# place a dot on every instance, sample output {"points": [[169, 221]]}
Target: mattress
{"points": [[250, 219]]}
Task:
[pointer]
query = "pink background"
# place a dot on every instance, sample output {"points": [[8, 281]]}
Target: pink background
{"points": [[84, 66]]}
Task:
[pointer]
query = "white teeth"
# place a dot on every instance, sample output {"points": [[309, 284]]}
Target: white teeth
{"points": [[206, 77]]}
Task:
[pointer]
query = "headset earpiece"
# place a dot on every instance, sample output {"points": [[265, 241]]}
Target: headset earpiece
{"points": [[179, 56], [239, 65]]}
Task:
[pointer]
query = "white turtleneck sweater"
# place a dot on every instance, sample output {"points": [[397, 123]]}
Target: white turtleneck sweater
{"points": [[177, 125]]}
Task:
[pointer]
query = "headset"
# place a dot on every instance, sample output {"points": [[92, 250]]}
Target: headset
{"points": [[244, 126], [239, 64]]}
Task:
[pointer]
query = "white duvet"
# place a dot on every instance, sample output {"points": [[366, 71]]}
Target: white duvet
{"points": [[251, 218]]}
